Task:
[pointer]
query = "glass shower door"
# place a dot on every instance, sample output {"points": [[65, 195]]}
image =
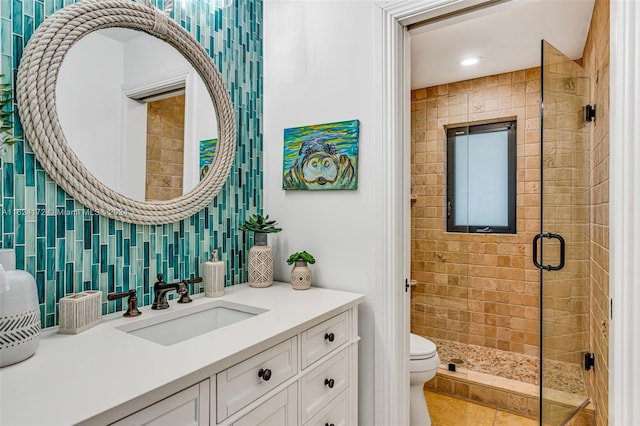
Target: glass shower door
{"points": [[561, 250]]}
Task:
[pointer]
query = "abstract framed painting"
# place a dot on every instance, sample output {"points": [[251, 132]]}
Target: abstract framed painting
{"points": [[321, 156], [207, 152]]}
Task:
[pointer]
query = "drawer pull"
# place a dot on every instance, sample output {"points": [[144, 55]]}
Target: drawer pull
{"points": [[329, 336], [264, 374], [329, 424], [329, 382]]}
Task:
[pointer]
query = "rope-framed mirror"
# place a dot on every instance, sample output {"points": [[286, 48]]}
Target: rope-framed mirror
{"points": [[36, 99]]}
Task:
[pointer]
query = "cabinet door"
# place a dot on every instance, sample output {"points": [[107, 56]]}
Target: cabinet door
{"points": [[280, 410], [188, 407]]}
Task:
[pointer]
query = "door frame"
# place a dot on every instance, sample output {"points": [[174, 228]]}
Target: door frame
{"points": [[391, 343], [624, 209], [392, 351]]}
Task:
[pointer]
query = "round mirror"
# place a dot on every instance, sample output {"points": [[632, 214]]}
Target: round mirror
{"points": [[94, 153], [136, 113]]}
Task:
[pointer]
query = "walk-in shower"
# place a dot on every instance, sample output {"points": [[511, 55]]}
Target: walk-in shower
{"points": [[507, 329]]}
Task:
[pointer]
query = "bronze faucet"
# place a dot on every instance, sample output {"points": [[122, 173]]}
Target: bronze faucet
{"points": [[161, 288], [132, 302]]}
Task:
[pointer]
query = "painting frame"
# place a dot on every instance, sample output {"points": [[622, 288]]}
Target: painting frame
{"points": [[321, 156], [207, 152]]}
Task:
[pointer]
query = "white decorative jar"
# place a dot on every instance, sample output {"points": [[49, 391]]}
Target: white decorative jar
{"points": [[260, 262], [19, 316], [301, 275]]}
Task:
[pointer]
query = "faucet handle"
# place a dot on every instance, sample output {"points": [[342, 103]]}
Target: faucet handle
{"points": [[184, 296], [184, 292], [132, 302]]}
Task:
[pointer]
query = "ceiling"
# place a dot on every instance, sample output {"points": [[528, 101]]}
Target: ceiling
{"points": [[506, 36], [123, 35]]}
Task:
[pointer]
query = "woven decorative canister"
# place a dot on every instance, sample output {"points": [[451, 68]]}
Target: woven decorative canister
{"points": [[19, 316], [80, 311]]}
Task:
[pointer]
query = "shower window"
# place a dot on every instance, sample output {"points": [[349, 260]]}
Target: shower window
{"points": [[481, 178]]}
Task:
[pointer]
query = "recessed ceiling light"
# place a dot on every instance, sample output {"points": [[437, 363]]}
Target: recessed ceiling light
{"points": [[470, 61]]}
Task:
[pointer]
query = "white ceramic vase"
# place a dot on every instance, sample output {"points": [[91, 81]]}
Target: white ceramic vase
{"points": [[301, 276], [19, 316], [260, 262], [8, 259]]}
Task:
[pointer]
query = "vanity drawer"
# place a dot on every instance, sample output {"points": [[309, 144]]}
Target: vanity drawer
{"points": [[187, 407], [323, 338], [246, 381], [279, 410], [323, 384], [335, 413]]}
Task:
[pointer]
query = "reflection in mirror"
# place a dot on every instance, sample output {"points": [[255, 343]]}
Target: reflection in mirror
{"points": [[134, 111]]}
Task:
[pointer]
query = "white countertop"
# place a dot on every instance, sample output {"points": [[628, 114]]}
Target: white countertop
{"points": [[84, 377]]}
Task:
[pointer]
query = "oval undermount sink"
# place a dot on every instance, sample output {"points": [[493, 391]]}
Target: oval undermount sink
{"points": [[177, 326]]}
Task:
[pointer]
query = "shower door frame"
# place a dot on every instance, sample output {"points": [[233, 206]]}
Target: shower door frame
{"points": [[568, 138]]}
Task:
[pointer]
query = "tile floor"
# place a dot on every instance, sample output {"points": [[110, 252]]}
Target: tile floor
{"points": [[448, 411]]}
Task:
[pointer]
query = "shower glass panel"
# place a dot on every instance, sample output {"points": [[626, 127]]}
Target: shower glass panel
{"points": [[562, 247]]}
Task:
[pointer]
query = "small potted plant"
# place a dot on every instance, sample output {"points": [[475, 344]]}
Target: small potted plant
{"points": [[260, 255], [301, 273]]}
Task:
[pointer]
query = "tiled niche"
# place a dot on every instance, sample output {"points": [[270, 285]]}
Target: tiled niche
{"points": [[69, 249]]}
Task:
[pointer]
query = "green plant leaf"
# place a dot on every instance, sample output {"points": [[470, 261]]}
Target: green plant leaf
{"points": [[301, 256], [259, 223]]}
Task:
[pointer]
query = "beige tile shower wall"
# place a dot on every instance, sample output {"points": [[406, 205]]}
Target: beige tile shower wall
{"points": [[165, 148], [596, 61], [478, 289]]}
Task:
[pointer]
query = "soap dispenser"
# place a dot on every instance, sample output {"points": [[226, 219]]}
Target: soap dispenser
{"points": [[214, 276]]}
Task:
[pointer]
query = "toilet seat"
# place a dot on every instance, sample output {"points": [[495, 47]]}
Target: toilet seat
{"points": [[421, 348]]}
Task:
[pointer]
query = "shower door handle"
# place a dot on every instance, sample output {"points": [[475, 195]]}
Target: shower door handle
{"points": [[535, 252]]}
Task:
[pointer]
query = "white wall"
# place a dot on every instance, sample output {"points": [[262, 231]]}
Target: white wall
{"points": [[88, 99], [320, 67]]}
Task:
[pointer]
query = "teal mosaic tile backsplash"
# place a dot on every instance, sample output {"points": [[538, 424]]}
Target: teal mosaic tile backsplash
{"points": [[68, 248]]}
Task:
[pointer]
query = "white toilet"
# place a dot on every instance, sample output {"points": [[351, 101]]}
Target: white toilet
{"points": [[423, 365]]}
